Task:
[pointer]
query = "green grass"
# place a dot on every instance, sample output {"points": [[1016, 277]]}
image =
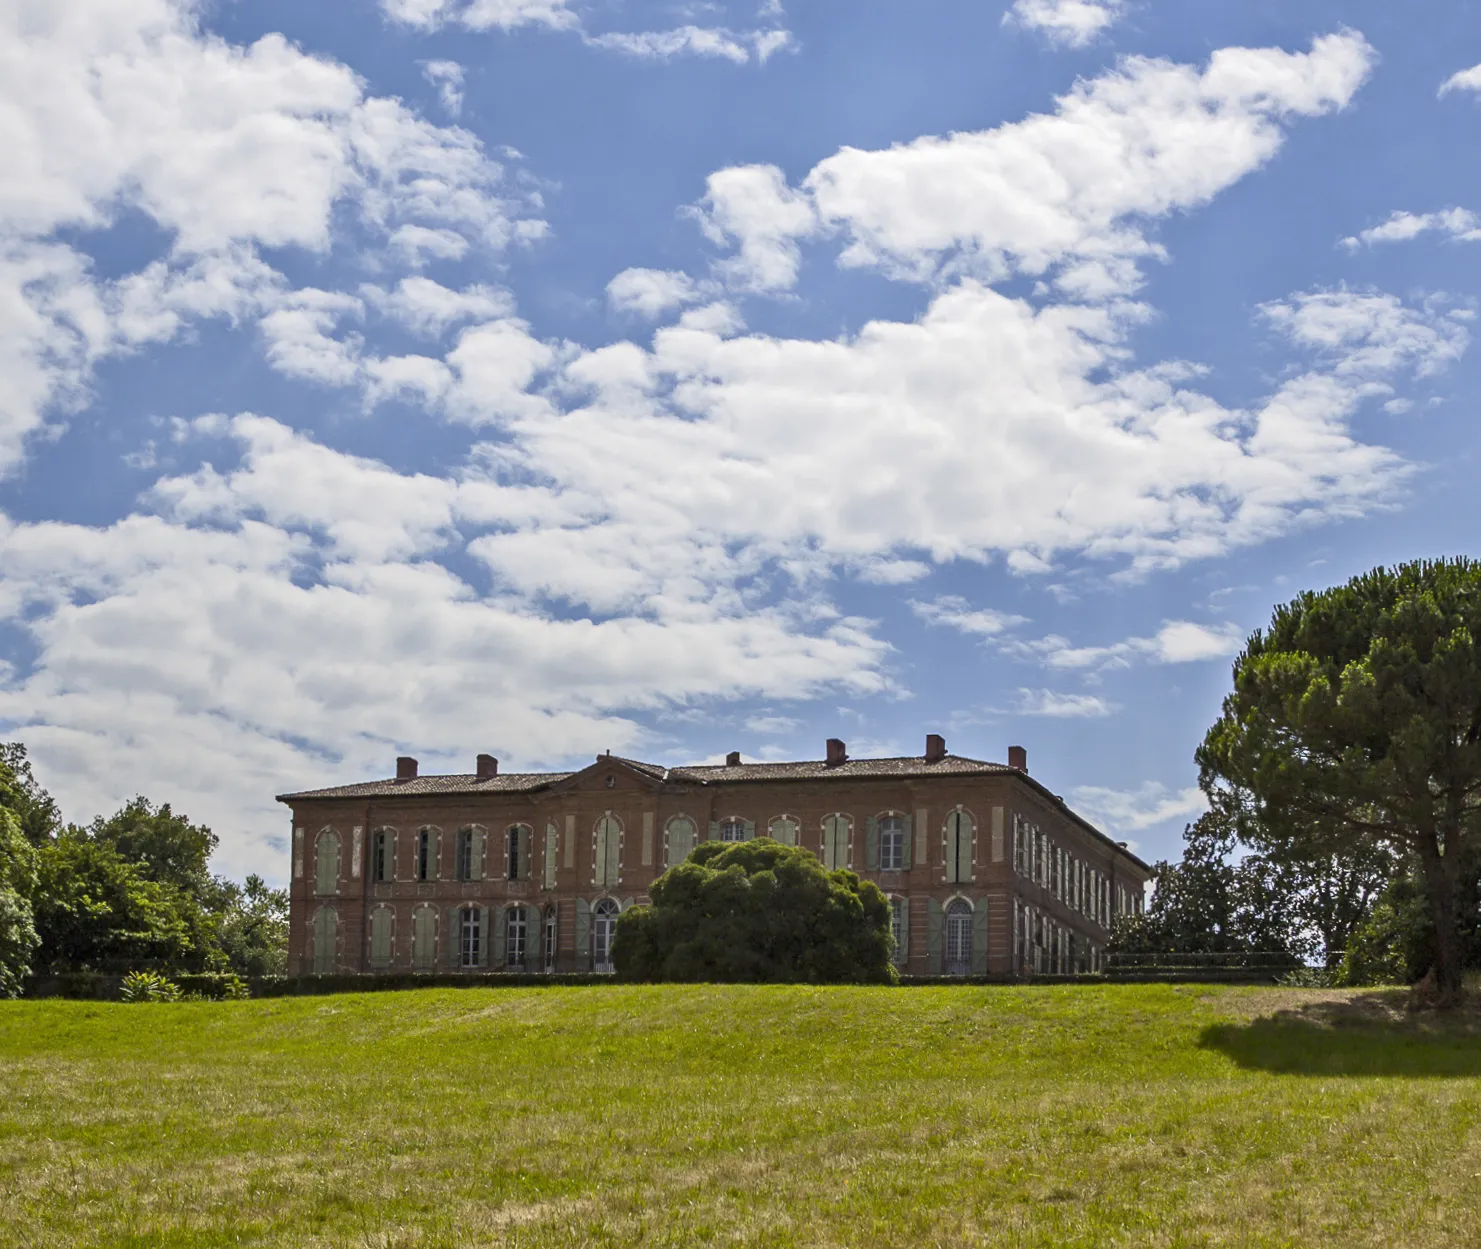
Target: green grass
{"points": [[771, 1116]]}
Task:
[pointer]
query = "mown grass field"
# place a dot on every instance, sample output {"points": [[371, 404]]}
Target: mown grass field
{"points": [[1092, 1116]]}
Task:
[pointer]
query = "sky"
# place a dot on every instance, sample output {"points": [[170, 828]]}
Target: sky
{"points": [[548, 377]]}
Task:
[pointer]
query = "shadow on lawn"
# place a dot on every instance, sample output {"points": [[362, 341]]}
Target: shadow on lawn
{"points": [[1369, 1034]]}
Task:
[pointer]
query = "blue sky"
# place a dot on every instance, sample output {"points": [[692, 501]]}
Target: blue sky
{"points": [[543, 377]]}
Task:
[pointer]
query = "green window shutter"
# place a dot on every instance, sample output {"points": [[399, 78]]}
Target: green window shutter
{"points": [[979, 938], [583, 928], [902, 952], [714, 830], [552, 845], [905, 860], [933, 937], [750, 830], [480, 847], [535, 941], [524, 852], [624, 903], [484, 936], [871, 843], [454, 937], [494, 939]]}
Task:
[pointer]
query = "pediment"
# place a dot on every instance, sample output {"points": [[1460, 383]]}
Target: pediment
{"points": [[609, 775]]}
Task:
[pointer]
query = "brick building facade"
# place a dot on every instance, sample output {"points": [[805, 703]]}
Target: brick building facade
{"points": [[987, 871]]}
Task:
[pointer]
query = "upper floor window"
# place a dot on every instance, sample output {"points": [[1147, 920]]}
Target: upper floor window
{"points": [[892, 843], [424, 863], [517, 851], [383, 855], [326, 862], [607, 859], [464, 855], [732, 830], [678, 840], [837, 830], [960, 832]]}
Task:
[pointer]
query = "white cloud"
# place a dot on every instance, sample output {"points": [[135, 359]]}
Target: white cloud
{"points": [[1459, 224], [1177, 642], [772, 725], [663, 45], [1137, 809], [115, 105], [1371, 332], [1062, 706], [651, 292], [956, 613], [447, 77], [1068, 192], [426, 307], [299, 342], [482, 14], [1462, 80], [1072, 23]]}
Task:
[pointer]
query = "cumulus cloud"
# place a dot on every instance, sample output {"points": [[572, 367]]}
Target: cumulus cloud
{"points": [[1132, 810], [956, 613], [447, 77], [428, 308], [1071, 23], [652, 292], [1177, 642], [1459, 224], [482, 14], [1462, 80], [112, 105], [1371, 332], [1061, 706], [1068, 194]]}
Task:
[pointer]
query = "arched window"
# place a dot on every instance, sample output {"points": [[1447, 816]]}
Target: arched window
{"points": [[424, 939], [891, 843], [465, 855], [784, 829], [326, 862], [678, 840], [607, 859], [960, 832], [603, 932], [383, 855], [516, 937], [550, 934], [470, 937], [837, 830], [326, 938], [959, 938], [425, 867], [732, 830], [382, 929]]}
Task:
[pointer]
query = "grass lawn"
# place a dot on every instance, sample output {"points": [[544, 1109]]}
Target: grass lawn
{"points": [[1137, 1115]]}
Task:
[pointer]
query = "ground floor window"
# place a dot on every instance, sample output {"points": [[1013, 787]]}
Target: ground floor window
{"points": [[514, 937], [897, 926], [603, 934], [959, 938], [470, 938], [326, 940], [550, 939]]}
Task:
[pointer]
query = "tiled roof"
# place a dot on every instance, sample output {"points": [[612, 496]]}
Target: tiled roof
{"points": [[849, 770], [504, 783]]}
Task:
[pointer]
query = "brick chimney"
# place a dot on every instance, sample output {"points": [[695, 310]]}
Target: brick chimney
{"points": [[488, 767], [406, 768], [1018, 758], [732, 760], [837, 752], [935, 748]]}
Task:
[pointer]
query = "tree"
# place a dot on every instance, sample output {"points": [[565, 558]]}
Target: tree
{"points": [[166, 847], [1209, 903], [1355, 723], [97, 911], [18, 939], [757, 911], [253, 928], [21, 793]]}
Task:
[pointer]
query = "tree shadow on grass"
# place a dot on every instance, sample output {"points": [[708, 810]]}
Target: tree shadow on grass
{"points": [[1366, 1034]]}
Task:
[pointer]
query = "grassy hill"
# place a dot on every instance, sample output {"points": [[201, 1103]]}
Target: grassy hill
{"points": [[680, 1116]]}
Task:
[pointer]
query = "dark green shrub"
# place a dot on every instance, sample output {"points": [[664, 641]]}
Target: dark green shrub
{"points": [[757, 911]]}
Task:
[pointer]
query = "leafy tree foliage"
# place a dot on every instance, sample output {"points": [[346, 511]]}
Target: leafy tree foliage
{"points": [[22, 794], [1355, 724], [757, 911], [1396, 940], [1209, 904], [167, 848], [18, 938], [253, 928]]}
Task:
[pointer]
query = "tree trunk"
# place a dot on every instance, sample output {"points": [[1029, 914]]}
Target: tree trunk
{"points": [[1440, 875]]}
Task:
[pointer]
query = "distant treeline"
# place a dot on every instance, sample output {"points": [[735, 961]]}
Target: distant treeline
{"points": [[129, 892]]}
